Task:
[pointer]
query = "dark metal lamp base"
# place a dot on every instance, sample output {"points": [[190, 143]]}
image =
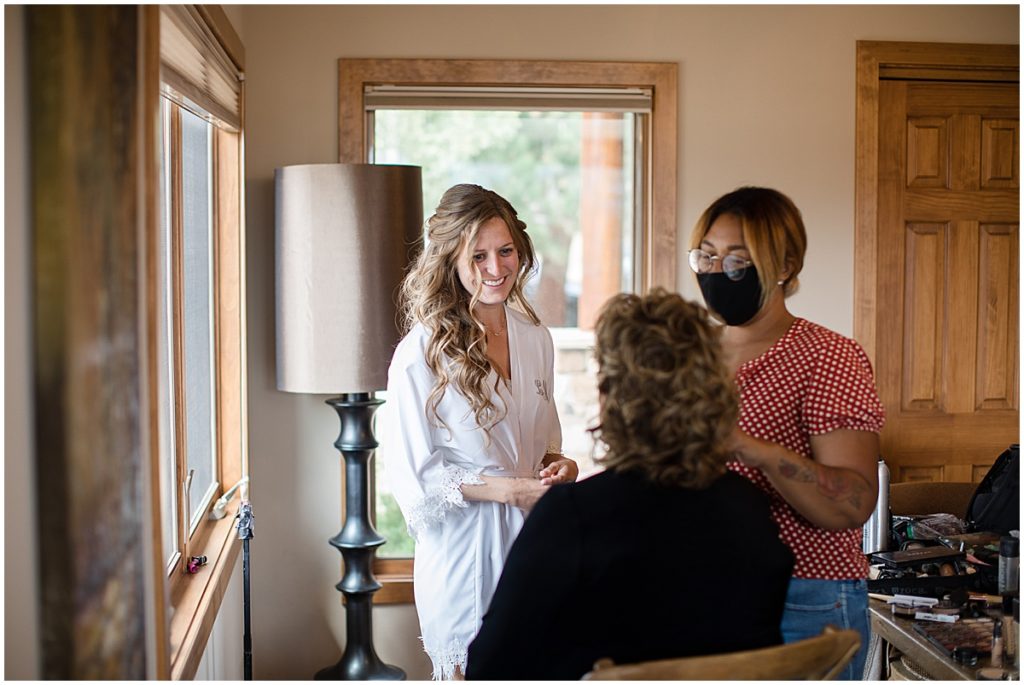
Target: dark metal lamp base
{"points": [[361, 668], [358, 542]]}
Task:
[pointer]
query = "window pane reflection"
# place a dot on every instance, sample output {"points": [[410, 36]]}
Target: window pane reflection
{"points": [[198, 308]]}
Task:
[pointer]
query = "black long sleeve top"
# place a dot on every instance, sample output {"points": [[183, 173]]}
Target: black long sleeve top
{"points": [[615, 566]]}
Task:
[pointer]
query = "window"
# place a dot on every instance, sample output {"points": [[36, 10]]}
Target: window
{"points": [[571, 176], [199, 316], [579, 162], [189, 460]]}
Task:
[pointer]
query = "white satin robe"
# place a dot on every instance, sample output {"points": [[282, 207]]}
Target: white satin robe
{"points": [[461, 545]]}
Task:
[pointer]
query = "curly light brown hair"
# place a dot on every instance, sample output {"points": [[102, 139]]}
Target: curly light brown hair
{"points": [[667, 400], [433, 295]]}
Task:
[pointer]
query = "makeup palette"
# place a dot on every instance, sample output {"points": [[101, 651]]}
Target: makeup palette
{"points": [[968, 633]]}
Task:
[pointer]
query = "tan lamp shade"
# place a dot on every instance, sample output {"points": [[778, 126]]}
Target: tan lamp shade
{"points": [[344, 236]]}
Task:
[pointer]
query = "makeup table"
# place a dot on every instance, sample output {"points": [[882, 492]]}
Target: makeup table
{"points": [[899, 632]]}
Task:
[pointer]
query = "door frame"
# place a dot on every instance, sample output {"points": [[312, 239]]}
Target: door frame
{"points": [[884, 59]]}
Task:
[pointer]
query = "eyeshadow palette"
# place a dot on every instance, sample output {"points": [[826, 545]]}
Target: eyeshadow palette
{"points": [[971, 633], [916, 557]]}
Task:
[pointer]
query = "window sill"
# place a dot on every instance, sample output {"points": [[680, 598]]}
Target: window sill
{"points": [[395, 577], [196, 599], [396, 588]]}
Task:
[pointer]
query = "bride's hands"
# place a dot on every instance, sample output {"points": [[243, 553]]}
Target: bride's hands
{"points": [[518, 492], [524, 492], [561, 470]]}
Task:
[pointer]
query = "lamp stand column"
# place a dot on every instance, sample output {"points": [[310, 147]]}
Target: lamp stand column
{"points": [[358, 542]]}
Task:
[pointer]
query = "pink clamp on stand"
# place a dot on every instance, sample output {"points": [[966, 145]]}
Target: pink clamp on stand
{"points": [[194, 563]]}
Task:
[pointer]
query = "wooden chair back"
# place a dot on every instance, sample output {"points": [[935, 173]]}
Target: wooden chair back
{"points": [[816, 658], [927, 497]]}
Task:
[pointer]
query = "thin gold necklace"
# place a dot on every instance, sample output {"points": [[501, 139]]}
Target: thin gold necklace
{"points": [[496, 332]]}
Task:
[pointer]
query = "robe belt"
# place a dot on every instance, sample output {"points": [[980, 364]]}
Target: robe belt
{"points": [[499, 472]]}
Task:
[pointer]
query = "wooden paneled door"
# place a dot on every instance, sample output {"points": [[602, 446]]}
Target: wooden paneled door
{"points": [[944, 293]]}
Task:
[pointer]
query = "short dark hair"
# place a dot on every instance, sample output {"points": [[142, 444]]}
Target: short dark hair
{"points": [[773, 230]]}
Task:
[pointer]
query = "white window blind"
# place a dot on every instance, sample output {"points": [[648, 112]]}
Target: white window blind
{"points": [[565, 99], [195, 71]]}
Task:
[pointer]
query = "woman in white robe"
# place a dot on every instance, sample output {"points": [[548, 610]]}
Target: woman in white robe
{"points": [[474, 456]]}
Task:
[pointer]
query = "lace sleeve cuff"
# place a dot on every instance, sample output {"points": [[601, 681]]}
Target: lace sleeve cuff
{"points": [[447, 659], [440, 498]]}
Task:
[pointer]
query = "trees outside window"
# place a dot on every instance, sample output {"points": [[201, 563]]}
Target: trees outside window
{"points": [[586, 153]]}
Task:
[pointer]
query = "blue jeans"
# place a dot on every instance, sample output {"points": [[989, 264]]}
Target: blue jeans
{"points": [[812, 604]]}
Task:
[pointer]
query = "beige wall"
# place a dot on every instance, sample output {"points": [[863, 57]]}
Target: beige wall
{"points": [[21, 587], [766, 96]]}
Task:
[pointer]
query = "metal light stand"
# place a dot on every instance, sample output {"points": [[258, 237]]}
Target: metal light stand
{"points": [[245, 533], [358, 542]]}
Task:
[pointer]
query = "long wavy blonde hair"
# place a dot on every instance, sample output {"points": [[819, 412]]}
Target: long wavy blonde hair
{"points": [[433, 295], [668, 403]]}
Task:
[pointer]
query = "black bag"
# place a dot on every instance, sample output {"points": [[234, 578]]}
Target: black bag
{"points": [[995, 505]]}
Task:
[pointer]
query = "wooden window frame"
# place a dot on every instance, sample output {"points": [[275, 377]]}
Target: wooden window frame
{"points": [[658, 242], [195, 598]]}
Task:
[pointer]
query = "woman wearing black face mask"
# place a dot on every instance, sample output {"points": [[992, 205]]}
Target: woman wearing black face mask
{"points": [[809, 411]]}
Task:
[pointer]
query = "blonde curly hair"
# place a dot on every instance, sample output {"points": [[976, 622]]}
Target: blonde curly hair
{"points": [[433, 295], [667, 400]]}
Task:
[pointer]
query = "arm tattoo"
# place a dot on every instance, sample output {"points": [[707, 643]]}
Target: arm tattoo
{"points": [[831, 483], [838, 486], [797, 472]]}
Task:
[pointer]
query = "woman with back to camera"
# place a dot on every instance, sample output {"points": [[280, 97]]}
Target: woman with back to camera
{"points": [[665, 553], [479, 439], [809, 411]]}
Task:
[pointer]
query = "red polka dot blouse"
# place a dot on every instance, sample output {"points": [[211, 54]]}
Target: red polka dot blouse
{"points": [[811, 381]]}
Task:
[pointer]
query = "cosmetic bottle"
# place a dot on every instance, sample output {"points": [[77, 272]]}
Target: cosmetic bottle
{"points": [[1009, 557], [876, 530], [967, 656], [996, 660], [1009, 632]]}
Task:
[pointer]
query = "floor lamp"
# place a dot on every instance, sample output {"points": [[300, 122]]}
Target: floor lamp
{"points": [[344, 234]]}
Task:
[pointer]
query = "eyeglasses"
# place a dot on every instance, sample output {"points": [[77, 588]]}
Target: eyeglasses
{"points": [[733, 266]]}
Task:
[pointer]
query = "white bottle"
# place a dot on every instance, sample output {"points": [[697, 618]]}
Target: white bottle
{"points": [[876, 530]]}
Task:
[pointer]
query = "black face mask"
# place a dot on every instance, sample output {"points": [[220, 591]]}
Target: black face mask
{"points": [[735, 302]]}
